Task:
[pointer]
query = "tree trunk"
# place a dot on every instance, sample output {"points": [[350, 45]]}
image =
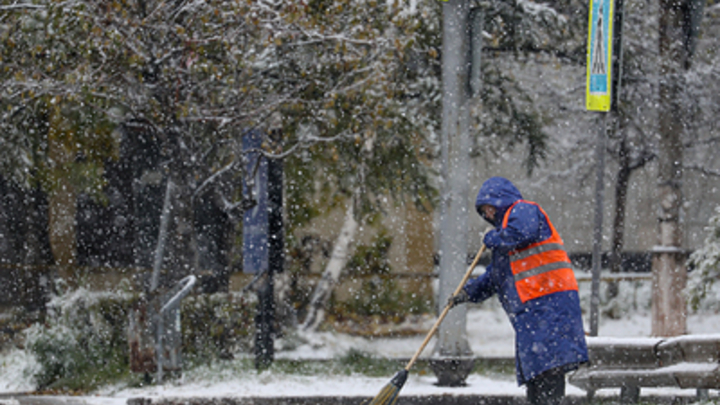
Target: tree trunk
{"points": [[618, 230], [669, 272], [333, 270], [62, 198], [37, 251]]}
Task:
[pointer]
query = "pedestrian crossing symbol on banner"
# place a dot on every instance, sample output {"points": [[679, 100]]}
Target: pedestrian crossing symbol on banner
{"points": [[599, 55], [597, 68]]}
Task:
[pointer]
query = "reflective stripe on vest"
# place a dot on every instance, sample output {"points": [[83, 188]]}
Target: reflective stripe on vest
{"points": [[542, 268]]}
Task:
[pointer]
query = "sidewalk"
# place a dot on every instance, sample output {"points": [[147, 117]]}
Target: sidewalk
{"points": [[436, 399], [269, 389]]}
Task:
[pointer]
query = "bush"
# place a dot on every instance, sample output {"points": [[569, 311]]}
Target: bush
{"points": [[216, 326], [82, 344], [706, 268], [379, 294]]}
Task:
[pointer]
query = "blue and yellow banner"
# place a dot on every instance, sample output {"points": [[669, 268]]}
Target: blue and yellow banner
{"points": [[599, 56]]}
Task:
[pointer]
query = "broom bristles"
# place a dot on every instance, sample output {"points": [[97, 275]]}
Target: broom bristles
{"points": [[389, 394]]}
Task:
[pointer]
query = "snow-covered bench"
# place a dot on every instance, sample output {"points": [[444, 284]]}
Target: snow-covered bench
{"points": [[690, 361]]}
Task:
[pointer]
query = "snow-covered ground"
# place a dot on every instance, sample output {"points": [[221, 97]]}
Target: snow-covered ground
{"points": [[489, 334]]}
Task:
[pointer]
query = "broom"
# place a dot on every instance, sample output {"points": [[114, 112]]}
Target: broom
{"points": [[389, 394]]}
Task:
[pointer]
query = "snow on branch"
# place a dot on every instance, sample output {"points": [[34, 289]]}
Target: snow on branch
{"points": [[540, 10], [23, 6]]}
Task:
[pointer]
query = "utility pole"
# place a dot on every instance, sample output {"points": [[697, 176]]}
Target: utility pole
{"points": [[453, 357]]}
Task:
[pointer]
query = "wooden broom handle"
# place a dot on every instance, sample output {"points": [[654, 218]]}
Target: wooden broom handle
{"points": [[446, 309]]}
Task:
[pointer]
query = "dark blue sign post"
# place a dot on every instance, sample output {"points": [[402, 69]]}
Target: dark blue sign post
{"points": [[255, 220], [263, 240]]}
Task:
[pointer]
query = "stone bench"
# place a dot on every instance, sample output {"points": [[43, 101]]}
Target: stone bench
{"points": [[690, 361]]}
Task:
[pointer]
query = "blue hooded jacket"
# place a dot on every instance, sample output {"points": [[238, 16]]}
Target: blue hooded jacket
{"points": [[548, 330]]}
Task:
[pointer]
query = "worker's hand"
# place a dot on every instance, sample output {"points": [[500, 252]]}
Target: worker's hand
{"points": [[458, 298], [489, 238]]}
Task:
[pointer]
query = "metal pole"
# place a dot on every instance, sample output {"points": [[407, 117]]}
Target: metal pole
{"points": [[608, 123], [159, 355], [597, 231], [265, 322], [617, 56], [162, 236]]}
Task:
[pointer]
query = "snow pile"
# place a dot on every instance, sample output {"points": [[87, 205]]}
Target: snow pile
{"points": [[16, 370]]}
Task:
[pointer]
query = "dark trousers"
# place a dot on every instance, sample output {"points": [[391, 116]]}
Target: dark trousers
{"points": [[547, 389]]}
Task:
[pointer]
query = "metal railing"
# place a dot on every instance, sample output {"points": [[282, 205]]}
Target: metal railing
{"points": [[170, 353]]}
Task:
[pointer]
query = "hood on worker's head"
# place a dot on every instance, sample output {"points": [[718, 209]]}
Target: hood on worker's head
{"points": [[498, 192]]}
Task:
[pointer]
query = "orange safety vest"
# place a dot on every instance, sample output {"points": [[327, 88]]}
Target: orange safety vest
{"points": [[542, 268]]}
